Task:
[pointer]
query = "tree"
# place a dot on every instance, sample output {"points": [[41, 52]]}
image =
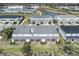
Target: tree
{"points": [[71, 50], [49, 22], [14, 22], [1, 50], [55, 21], [27, 49], [41, 22], [51, 5], [33, 22], [7, 32], [28, 21]]}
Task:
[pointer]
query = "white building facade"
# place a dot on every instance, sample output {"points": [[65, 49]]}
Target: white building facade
{"points": [[18, 9], [67, 19], [10, 20], [43, 19]]}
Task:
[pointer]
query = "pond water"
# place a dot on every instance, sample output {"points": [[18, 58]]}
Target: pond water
{"points": [[50, 13]]}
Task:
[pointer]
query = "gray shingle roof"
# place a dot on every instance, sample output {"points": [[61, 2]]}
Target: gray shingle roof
{"points": [[42, 16], [37, 30], [11, 17], [65, 16], [70, 29]]}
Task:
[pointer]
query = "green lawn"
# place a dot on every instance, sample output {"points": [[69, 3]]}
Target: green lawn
{"points": [[36, 47], [14, 51], [47, 48]]}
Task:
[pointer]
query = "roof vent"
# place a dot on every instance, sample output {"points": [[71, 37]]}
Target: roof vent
{"points": [[32, 30]]}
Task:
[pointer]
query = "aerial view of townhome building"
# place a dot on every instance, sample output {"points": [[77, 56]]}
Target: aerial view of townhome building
{"points": [[35, 33], [34, 29]]}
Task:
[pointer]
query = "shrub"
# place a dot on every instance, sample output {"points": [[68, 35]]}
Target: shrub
{"points": [[14, 22], [27, 49], [43, 42], [33, 22], [1, 50], [12, 43], [71, 49], [49, 22], [41, 22], [7, 33], [55, 21]]}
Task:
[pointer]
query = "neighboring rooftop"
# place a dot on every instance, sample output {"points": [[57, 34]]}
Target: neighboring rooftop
{"points": [[10, 16], [70, 29], [65, 16], [50, 13], [41, 16]]}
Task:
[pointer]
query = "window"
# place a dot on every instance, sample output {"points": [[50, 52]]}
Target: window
{"points": [[6, 22], [37, 24], [48, 39], [38, 40], [31, 40], [72, 39], [53, 39]]}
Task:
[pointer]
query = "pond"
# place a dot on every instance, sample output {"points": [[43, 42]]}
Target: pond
{"points": [[50, 13]]}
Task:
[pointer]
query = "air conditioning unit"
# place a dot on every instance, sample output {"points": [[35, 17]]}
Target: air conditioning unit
{"points": [[32, 30]]}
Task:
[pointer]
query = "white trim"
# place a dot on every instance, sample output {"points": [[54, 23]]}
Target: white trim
{"points": [[21, 35], [72, 34], [68, 34], [35, 35], [24, 35], [77, 35]]}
